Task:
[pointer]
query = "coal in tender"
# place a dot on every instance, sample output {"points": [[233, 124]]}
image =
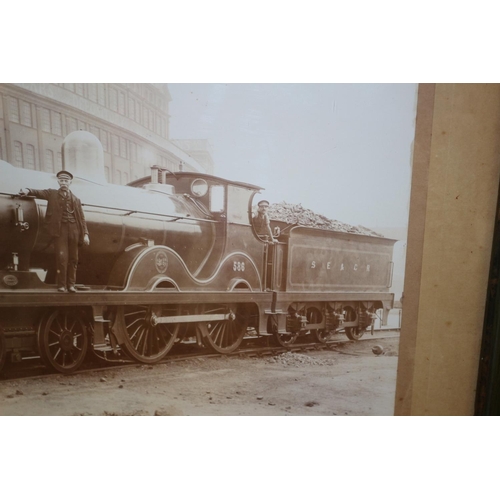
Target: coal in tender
{"points": [[297, 214]]}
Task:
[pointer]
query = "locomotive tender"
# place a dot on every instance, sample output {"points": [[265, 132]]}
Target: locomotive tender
{"points": [[174, 256]]}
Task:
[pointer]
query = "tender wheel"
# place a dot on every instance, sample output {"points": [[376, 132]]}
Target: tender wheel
{"points": [[314, 315], [224, 336], [63, 340], [281, 339], [145, 340], [352, 332], [3, 350]]}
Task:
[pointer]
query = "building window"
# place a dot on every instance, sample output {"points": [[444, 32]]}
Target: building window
{"points": [[14, 110], [131, 108], [45, 120], [115, 144], [106, 173], [145, 116], [94, 131], [151, 120], [80, 88], [123, 147], [121, 103], [92, 89], [18, 154], [26, 114], [133, 151], [101, 94], [125, 178], [70, 86], [118, 177], [71, 124], [138, 112], [104, 140], [49, 160], [113, 99], [82, 125], [30, 156], [158, 125], [55, 119], [59, 161]]}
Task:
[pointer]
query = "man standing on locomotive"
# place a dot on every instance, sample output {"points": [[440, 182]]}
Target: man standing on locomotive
{"points": [[261, 222], [66, 225]]}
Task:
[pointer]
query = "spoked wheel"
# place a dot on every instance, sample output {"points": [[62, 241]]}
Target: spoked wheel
{"points": [[314, 315], [224, 335], [352, 332], [282, 339], [146, 340], [63, 340], [3, 350]]}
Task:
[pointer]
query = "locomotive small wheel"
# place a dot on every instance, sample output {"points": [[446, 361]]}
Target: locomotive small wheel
{"points": [[225, 336], [3, 350], [314, 315], [146, 341], [352, 332], [281, 339], [63, 340]]}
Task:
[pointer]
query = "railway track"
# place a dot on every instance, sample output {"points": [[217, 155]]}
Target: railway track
{"points": [[32, 368]]}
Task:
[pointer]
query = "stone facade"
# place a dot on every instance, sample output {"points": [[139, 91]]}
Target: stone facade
{"points": [[131, 120]]}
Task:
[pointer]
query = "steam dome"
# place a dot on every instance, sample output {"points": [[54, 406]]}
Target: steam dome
{"points": [[83, 156]]}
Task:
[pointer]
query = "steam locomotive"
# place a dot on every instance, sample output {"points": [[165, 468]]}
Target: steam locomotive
{"points": [[174, 256]]}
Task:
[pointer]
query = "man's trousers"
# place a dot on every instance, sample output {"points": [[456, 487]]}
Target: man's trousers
{"points": [[66, 246]]}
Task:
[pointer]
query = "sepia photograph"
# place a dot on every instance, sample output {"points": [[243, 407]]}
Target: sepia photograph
{"points": [[302, 225], [203, 249]]}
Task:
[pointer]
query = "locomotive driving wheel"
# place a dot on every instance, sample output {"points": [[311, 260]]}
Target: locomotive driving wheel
{"points": [[224, 335], [352, 332], [146, 340], [63, 340]]}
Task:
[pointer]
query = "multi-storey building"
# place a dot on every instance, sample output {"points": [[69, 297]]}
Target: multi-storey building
{"points": [[131, 120]]}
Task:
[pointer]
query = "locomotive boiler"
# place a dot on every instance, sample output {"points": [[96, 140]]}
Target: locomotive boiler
{"points": [[174, 255]]}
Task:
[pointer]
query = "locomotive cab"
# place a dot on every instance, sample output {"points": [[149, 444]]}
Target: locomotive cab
{"points": [[229, 205]]}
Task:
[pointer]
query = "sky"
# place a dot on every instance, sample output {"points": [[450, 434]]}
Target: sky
{"points": [[341, 150]]}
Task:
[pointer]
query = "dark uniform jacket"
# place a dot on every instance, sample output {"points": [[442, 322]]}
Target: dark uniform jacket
{"points": [[261, 225], [55, 210]]}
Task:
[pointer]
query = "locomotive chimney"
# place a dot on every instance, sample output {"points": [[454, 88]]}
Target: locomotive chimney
{"points": [[155, 174], [163, 176], [83, 156]]}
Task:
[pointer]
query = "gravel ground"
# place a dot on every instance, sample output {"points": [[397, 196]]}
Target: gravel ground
{"points": [[351, 380]]}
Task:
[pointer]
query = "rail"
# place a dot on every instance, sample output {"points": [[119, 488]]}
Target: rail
{"points": [[36, 370]]}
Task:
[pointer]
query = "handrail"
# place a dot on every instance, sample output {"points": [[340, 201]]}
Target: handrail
{"points": [[173, 218]]}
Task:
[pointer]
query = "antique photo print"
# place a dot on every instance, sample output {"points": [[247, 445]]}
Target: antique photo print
{"points": [[202, 249]]}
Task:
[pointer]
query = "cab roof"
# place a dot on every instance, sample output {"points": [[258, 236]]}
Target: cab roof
{"points": [[175, 176]]}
